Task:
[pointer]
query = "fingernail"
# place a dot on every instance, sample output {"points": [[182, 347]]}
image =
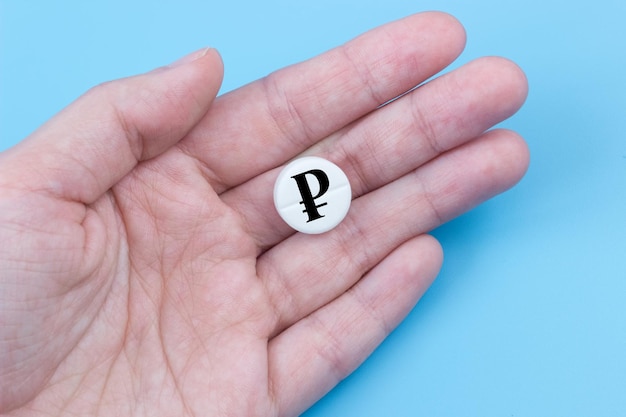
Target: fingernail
{"points": [[190, 58]]}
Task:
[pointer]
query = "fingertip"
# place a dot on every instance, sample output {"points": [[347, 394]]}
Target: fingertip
{"points": [[510, 157], [518, 153], [206, 60], [425, 258], [511, 79], [435, 252], [441, 30], [212, 59], [450, 26], [517, 77]]}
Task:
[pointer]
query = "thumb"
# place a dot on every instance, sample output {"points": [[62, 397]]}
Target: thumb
{"points": [[98, 139]]}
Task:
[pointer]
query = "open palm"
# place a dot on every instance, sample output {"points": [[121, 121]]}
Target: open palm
{"points": [[145, 271]]}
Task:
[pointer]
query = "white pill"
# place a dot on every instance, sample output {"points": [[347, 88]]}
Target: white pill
{"points": [[312, 195]]}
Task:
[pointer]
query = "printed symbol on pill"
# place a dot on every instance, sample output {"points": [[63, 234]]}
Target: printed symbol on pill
{"points": [[305, 191], [312, 195]]}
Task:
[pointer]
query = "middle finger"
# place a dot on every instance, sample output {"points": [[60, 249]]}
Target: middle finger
{"points": [[442, 114]]}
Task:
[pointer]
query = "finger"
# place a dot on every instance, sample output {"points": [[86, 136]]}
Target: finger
{"points": [[98, 139], [379, 221], [399, 137], [313, 355], [262, 125]]}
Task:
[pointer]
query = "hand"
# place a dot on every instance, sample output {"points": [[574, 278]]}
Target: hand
{"points": [[144, 270]]}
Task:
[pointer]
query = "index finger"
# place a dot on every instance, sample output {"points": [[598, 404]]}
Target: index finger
{"points": [[260, 126]]}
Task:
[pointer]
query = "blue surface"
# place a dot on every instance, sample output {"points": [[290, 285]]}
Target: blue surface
{"points": [[528, 316]]}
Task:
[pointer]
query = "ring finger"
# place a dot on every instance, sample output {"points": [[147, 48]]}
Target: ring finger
{"points": [[305, 272]]}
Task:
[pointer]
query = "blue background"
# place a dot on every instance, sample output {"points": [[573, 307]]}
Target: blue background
{"points": [[528, 316]]}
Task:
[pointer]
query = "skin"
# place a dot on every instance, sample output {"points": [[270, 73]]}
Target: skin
{"points": [[144, 270]]}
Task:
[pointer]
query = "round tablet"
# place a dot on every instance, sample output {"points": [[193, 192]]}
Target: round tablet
{"points": [[312, 195]]}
